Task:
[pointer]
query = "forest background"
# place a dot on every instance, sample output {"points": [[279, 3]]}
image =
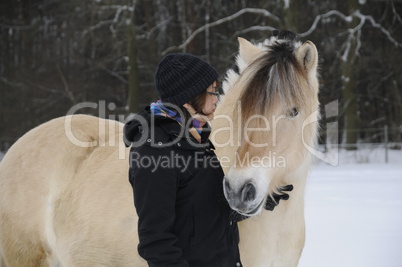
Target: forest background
{"points": [[57, 54]]}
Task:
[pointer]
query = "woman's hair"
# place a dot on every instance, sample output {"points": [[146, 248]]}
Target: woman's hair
{"points": [[197, 103]]}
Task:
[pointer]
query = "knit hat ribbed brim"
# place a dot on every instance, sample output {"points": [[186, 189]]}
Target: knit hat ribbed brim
{"points": [[181, 77]]}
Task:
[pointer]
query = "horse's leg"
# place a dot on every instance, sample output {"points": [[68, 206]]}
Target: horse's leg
{"points": [[20, 241]]}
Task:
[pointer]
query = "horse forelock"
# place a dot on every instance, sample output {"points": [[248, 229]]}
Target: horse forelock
{"points": [[273, 80]]}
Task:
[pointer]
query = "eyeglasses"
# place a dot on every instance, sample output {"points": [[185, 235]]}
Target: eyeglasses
{"points": [[213, 93]]}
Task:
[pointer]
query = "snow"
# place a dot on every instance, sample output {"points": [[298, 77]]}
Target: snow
{"points": [[372, 153], [286, 3], [354, 215]]}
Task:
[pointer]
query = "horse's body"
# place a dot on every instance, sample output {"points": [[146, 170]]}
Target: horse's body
{"points": [[63, 204]]}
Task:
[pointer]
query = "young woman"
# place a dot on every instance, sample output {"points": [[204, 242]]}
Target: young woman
{"points": [[184, 219]]}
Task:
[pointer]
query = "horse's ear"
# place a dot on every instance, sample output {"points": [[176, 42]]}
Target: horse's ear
{"points": [[248, 52], [307, 56]]}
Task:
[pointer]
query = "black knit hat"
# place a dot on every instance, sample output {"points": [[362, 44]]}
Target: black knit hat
{"points": [[181, 77]]}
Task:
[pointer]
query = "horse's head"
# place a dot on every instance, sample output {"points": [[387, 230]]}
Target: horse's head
{"points": [[271, 96]]}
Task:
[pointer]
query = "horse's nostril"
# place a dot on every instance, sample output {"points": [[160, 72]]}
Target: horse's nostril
{"points": [[248, 192]]}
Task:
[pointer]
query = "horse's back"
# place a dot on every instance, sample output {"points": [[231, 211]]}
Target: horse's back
{"points": [[63, 192]]}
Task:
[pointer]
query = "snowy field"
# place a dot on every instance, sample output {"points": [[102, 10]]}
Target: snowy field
{"points": [[354, 213]]}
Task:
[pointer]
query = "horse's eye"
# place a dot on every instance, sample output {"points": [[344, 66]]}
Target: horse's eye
{"points": [[293, 113]]}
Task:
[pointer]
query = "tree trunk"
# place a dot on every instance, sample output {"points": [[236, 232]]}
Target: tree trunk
{"points": [[292, 15], [133, 82], [348, 66]]}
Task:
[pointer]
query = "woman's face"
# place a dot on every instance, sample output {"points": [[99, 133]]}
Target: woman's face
{"points": [[211, 100]]}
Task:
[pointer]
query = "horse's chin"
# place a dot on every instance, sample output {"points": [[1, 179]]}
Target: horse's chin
{"points": [[252, 211]]}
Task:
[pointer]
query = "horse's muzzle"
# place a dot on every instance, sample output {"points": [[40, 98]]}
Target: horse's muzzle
{"points": [[242, 200]]}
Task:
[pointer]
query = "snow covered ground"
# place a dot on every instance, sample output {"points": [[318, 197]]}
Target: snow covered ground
{"points": [[354, 215]]}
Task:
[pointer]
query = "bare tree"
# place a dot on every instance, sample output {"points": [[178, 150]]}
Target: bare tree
{"points": [[54, 53]]}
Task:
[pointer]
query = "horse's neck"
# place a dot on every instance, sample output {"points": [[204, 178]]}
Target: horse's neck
{"points": [[276, 236]]}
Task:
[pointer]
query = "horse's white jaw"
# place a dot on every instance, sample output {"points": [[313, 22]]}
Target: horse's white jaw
{"points": [[246, 189]]}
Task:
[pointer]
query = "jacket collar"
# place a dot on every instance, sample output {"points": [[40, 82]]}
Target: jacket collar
{"points": [[170, 130]]}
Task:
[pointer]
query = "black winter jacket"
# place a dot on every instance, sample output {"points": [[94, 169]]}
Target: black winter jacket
{"points": [[184, 219]]}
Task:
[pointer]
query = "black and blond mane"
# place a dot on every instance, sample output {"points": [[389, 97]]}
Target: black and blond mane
{"points": [[276, 78]]}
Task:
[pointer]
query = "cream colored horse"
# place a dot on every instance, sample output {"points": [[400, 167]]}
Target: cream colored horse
{"points": [[65, 199]]}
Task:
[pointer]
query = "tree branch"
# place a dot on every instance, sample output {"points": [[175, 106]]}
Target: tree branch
{"points": [[363, 18], [253, 28], [324, 16], [382, 29], [14, 84], [66, 87], [114, 74], [354, 34], [119, 10], [259, 11]]}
